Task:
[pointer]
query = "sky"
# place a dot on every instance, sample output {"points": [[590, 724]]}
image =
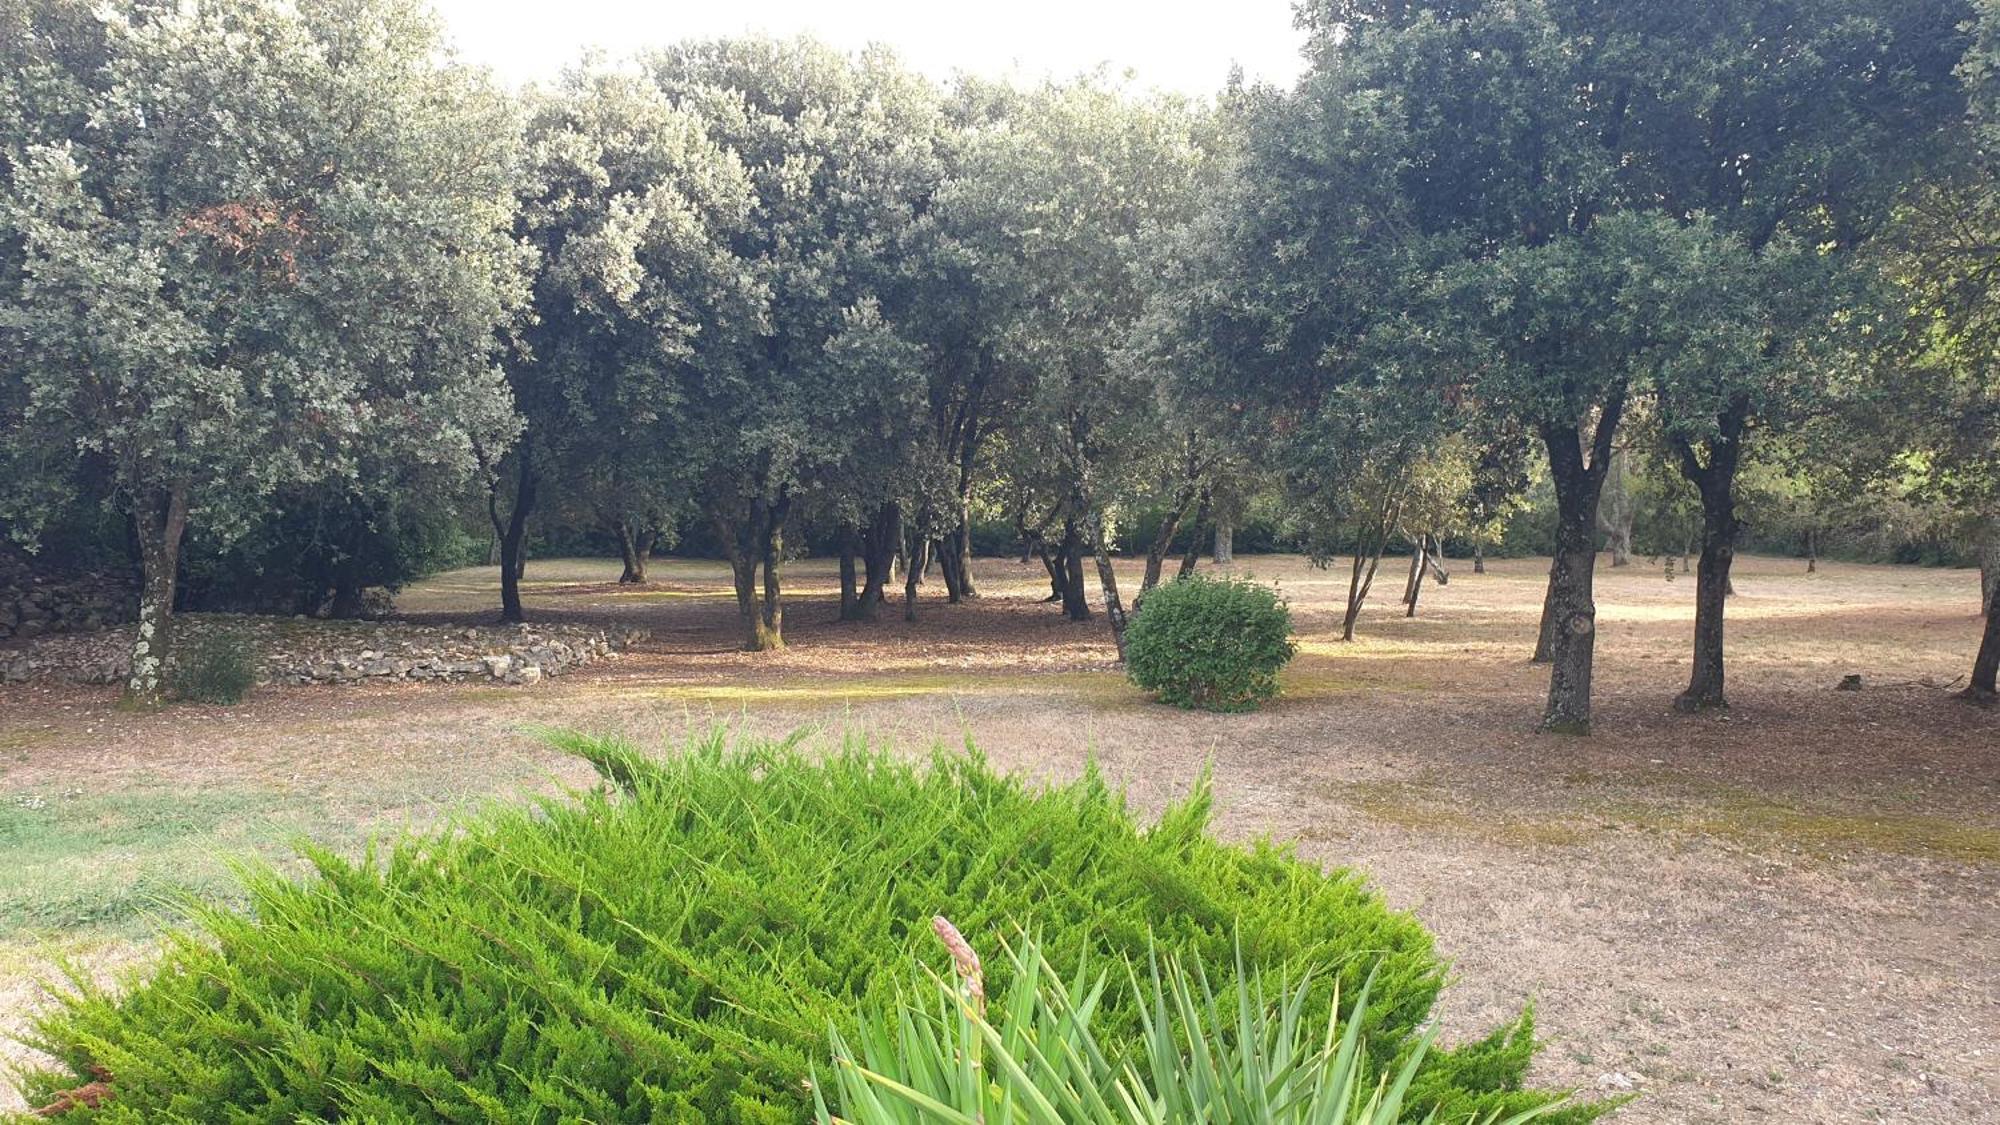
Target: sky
{"points": [[1174, 45]]}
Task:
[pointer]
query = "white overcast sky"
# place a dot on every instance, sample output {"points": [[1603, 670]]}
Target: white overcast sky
{"points": [[1169, 44]]}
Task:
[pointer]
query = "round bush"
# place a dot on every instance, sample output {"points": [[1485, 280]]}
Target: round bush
{"points": [[1216, 644], [678, 950]]}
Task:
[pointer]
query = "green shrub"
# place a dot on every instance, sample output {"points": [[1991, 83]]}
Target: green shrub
{"points": [[215, 666], [1229, 1058], [675, 950], [1211, 643]]}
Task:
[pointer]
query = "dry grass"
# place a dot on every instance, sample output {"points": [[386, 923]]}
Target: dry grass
{"points": [[1783, 911]]}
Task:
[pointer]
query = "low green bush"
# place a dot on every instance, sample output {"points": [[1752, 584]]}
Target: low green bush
{"points": [[1212, 643], [676, 948], [215, 666]]}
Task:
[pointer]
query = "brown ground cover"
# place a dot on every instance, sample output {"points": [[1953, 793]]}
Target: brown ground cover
{"points": [[1785, 912]]}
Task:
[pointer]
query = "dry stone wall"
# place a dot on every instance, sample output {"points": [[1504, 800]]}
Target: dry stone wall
{"points": [[299, 651], [35, 604]]}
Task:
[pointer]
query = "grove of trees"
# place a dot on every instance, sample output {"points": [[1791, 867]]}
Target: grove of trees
{"points": [[284, 281]]}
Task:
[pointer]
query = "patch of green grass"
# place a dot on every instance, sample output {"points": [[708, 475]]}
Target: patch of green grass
{"points": [[39, 956], [1738, 816], [110, 861], [1107, 688], [647, 594], [1317, 681], [23, 738], [1430, 808], [1757, 821]]}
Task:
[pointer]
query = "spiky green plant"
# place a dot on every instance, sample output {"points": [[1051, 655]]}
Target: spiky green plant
{"points": [[1232, 1058]]}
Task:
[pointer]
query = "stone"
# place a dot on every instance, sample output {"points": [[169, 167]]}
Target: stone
{"points": [[330, 652]]}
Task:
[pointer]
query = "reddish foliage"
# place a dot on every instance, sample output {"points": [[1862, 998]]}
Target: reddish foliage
{"points": [[87, 1096], [255, 233]]}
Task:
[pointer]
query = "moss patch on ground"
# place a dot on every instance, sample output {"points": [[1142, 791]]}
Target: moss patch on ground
{"points": [[1751, 820], [1759, 822], [1103, 688], [1429, 808], [111, 861]]}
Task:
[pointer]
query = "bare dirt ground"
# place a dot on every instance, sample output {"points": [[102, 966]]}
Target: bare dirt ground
{"points": [[1787, 912]]}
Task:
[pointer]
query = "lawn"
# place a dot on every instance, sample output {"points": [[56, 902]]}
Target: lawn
{"points": [[1787, 907]]}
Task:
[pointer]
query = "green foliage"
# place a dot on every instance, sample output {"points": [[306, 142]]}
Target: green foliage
{"points": [[245, 245], [1040, 1061], [219, 666], [319, 549], [1216, 644], [1062, 193], [632, 209], [676, 950]]}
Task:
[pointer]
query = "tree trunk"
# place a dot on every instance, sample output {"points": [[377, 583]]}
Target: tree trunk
{"points": [[513, 536], [960, 544], [1545, 637], [1163, 540], [1616, 512], [1225, 543], [347, 604], [920, 560], [1620, 543], [1360, 577], [1571, 613], [1716, 482], [628, 550], [850, 596], [1416, 575], [1193, 557], [1107, 578], [967, 432], [742, 538], [1075, 605], [1479, 555], [952, 566], [772, 615], [1718, 552], [758, 541], [1984, 666], [1368, 546], [880, 545], [1417, 587], [160, 522], [1573, 633], [1058, 579], [743, 568], [1812, 551], [622, 531], [1989, 565]]}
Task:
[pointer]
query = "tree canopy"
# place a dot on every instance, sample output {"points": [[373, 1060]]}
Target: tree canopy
{"points": [[281, 279]]}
